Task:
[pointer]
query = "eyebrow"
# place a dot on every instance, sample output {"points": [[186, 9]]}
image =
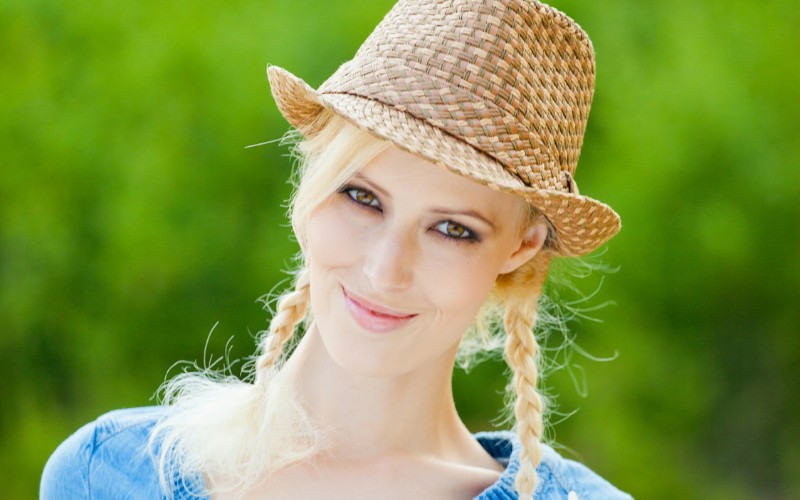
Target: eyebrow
{"points": [[443, 211], [380, 190]]}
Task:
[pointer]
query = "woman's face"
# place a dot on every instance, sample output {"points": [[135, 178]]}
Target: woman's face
{"points": [[403, 257]]}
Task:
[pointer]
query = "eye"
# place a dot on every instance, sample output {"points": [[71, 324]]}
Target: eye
{"points": [[362, 196], [455, 231]]}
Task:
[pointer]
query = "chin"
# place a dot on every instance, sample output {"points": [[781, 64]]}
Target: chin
{"points": [[366, 360]]}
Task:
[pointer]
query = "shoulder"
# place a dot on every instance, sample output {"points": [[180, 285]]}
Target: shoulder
{"points": [[560, 474], [557, 477], [106, 458]]}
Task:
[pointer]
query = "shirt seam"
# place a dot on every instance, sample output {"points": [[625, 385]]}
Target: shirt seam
{"points": [[90, 460], [112, 432]]}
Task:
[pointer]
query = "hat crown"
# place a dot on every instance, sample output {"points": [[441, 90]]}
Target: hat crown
{"points": [[514, 79]]}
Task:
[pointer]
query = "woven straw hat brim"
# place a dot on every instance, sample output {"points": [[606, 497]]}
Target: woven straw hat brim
{"points": [[581, 223]]}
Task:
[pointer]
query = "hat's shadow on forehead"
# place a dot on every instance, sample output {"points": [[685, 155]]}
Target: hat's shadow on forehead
{"points": [[403, 175]]}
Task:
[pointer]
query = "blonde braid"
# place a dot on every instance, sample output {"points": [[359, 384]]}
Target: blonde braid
{"points": [[520, 292], [291, 310]]}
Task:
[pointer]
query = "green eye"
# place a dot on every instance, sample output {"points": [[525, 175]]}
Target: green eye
{"points": [[365, 198], [455, 231], [362, 197]]}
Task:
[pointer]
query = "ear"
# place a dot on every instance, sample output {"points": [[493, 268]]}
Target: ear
{"points": [[531, 244]]}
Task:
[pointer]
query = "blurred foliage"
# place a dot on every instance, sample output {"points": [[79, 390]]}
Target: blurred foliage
{"points": [[133, 222]]}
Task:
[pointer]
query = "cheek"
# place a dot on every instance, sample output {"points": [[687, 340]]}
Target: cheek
{"points": [[459, 287], [333, 248], [328, 249], [331, 238]]}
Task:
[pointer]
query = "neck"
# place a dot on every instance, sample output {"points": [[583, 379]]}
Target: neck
{"points": [[371, 416]]}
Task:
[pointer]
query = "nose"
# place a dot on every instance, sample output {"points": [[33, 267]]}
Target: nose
{"points": [[389, 260]]}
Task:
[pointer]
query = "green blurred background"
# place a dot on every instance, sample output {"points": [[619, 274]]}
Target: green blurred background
{"points": [[133, 220]]}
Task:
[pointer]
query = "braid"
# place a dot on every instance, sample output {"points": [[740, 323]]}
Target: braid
{"points": [[521, 291], [291, 310]]}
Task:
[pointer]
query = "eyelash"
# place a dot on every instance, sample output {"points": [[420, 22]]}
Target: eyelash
{"points": [[351, 192]]}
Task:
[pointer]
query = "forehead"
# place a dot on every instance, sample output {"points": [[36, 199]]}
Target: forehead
{"points": [[400, 174]]}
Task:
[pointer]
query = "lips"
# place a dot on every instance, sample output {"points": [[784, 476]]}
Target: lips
{"points": [[374, 317]]}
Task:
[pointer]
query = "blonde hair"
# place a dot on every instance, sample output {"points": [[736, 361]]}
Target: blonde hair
{"points": [[233, 432], [520, 292]]}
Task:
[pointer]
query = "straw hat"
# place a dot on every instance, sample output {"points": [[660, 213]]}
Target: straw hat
{"points": [[498, 91]]}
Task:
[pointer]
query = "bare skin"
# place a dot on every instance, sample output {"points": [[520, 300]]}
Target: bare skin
{"points": [[394, 242], [382, 449]]}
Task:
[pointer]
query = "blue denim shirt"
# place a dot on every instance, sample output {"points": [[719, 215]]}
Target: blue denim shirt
{"points": [[108, 459]]}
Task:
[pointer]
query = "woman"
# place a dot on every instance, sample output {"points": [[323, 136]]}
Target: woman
{"points": [[435, 188]]}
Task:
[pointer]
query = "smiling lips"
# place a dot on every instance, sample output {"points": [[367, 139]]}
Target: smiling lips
{"points": [[373, 317]]}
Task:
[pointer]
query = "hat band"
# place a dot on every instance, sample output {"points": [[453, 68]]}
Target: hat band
{"points": [[476, 120]]}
